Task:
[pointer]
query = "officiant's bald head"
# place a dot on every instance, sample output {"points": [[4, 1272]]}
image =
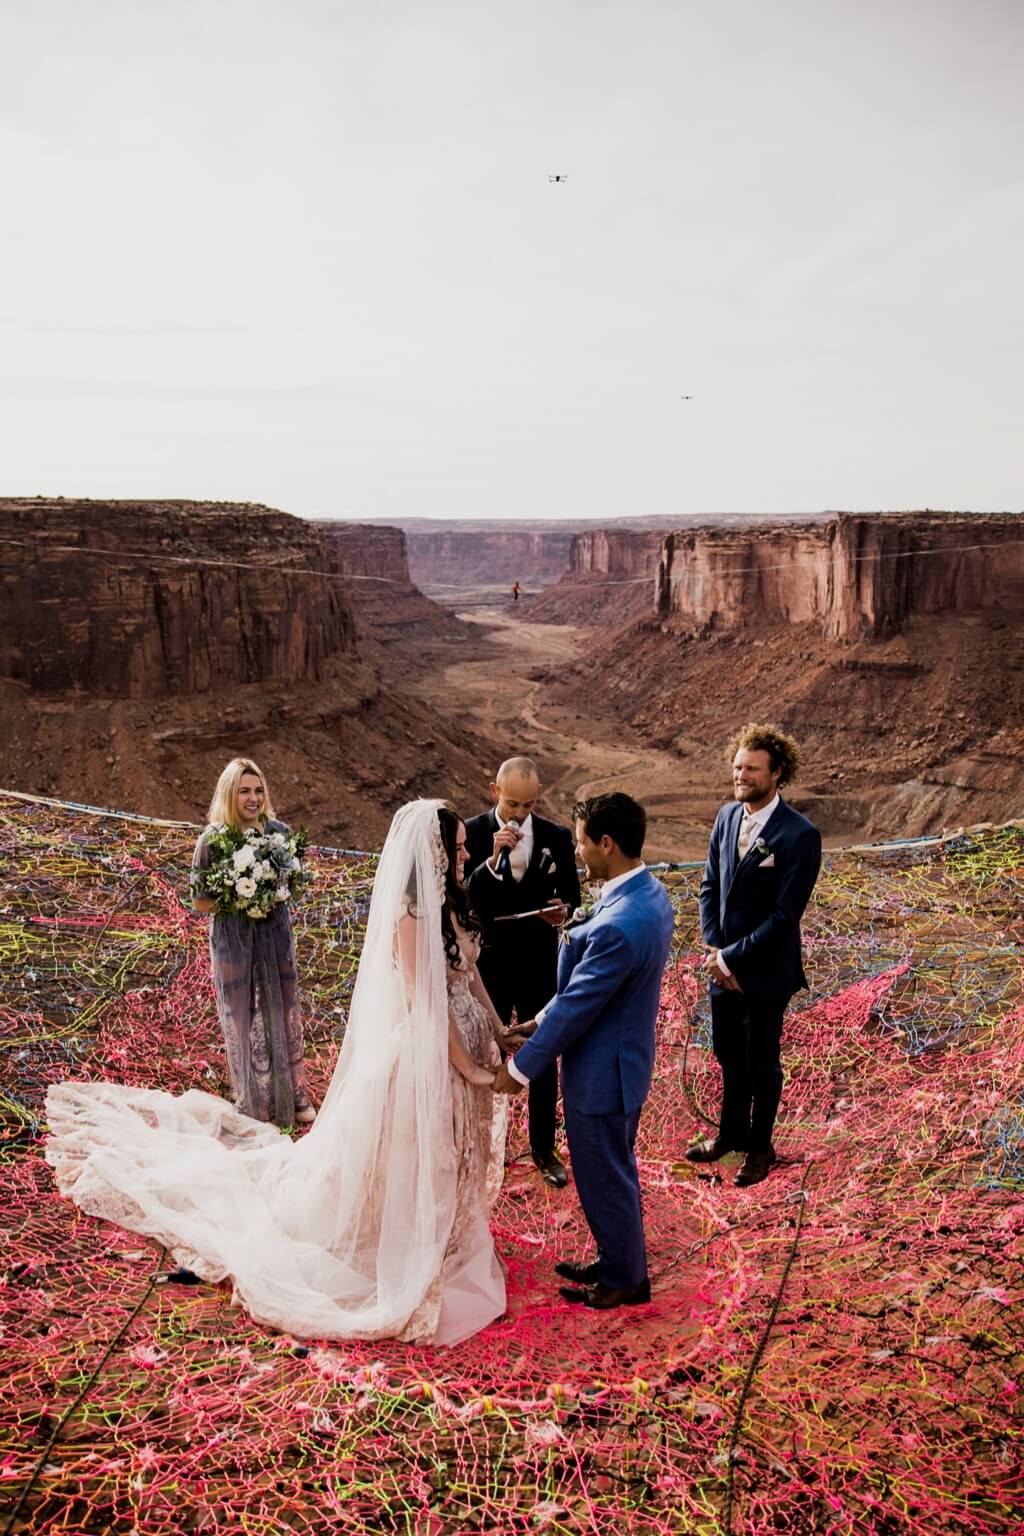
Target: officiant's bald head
{"points": [[516, 788]]}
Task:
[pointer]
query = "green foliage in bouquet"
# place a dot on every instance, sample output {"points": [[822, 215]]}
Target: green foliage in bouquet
{"points": [[250, 873]]}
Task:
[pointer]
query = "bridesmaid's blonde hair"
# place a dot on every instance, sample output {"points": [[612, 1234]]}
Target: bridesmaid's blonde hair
{"points": [[224, 805]]}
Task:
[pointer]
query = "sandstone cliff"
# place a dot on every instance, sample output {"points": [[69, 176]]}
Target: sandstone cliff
{"points": [[377, 556], [496, 556], [392, 614], [891, 645], [140, 599], [855, 576], [618, 553], [143, 644], [611, 578]]}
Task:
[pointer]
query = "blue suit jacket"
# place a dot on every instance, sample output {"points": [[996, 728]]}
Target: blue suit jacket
{"points": [[751, 909], [601, 1020]]}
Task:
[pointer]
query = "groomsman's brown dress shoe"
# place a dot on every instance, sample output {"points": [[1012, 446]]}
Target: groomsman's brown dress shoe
{"points": [[756, 1166], [552, 1169], [710, 1151], [603, 1297], [580, 1274]]}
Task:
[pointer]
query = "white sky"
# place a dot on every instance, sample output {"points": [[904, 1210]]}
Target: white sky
{"points": [[306, 252]]}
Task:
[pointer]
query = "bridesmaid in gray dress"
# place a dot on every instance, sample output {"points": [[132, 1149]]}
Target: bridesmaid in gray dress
{"points": [[254, 973]]}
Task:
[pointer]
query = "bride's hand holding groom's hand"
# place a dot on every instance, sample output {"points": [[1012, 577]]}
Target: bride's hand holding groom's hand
{"points": [[511, 1039], [504, 1082]]}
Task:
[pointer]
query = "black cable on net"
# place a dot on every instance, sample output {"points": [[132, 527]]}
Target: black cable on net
{"points": [[75, 1404]]}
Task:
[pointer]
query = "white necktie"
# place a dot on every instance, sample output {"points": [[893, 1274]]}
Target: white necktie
{"points": [[746, 833]]}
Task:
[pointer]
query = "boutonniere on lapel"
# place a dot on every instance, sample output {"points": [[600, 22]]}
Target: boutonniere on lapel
{"points": [[579, 916], [765, 856]]}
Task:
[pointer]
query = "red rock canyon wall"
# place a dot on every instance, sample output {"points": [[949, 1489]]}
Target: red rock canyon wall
{"points": [[856, 576], [129, 599]]}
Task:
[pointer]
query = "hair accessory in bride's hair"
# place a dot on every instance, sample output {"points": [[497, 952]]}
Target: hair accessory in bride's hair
{"points": [[439, 856]]}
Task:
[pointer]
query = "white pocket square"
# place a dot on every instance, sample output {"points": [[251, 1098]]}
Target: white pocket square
{"points": [[768, 863]]}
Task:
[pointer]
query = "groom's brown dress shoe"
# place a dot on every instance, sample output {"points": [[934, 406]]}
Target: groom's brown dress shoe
{"points": [[552, 1169], [580, 1274], [756, 1166], [603, 1297], [710, 1151]]}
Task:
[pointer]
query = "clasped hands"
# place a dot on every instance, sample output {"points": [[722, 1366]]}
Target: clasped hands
{"points": [[504, 1082], [714, 971]]}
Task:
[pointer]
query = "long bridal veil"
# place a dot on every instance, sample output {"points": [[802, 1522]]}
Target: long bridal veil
{"points": [[341, 1233]]}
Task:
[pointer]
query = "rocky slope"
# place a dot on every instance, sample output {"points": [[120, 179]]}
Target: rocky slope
{"points": [[401, 625], [892, 646], [143, 644], [611, 578]]}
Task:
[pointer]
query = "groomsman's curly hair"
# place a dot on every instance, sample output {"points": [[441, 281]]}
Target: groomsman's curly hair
{"points": [[782, 749]]}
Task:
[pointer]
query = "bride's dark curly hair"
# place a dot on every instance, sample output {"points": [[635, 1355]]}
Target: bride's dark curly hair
{"points": [[456, 895]]}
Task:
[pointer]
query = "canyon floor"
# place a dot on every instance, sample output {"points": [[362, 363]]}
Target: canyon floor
{"points": [[908, 737], [504, 688], [905, 737]]}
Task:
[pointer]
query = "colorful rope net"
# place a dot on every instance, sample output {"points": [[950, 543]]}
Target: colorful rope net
{"points": [[837, 1350]]}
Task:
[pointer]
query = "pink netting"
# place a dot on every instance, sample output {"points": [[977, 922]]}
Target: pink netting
{"points": [[837, 1350]]}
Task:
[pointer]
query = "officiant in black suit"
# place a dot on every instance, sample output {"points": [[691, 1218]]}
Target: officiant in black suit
{"points": [[519, 862]]}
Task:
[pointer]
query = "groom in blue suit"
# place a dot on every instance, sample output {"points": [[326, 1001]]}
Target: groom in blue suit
{"points": [[601, 1023]]}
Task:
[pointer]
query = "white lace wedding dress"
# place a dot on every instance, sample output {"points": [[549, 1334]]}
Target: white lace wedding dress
{"points": [[374, 1224]]}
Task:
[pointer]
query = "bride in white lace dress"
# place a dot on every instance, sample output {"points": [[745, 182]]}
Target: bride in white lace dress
{"points": [[375, 1224]]}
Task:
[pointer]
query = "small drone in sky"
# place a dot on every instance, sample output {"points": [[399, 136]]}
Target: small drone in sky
{"points": [[559, 176], [686, 397]]}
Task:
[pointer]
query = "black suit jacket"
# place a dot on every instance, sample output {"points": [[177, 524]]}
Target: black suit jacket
{"points": [[751, 909], [551, 872]]}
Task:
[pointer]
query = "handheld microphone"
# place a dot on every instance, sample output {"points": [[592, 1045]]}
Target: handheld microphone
{"points": [[504, 861]]}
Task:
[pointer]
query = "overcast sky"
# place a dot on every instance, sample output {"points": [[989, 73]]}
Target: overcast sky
{"points": [[307, 252]]}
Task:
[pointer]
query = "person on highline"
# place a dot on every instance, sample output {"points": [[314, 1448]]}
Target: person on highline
{"points": [[518, 863]]}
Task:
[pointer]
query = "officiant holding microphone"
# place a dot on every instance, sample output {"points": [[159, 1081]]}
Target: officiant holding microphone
{"points": [[523, 883]]}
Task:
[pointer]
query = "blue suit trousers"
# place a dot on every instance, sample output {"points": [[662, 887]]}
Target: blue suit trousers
{"points": [[604, 1168]]}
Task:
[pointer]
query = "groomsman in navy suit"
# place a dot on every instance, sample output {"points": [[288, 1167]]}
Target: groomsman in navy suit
{"points": [[601, 1023], [763, 861]]}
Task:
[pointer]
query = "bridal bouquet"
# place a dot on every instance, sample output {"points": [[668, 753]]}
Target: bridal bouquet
{"points": [[251, 873]]}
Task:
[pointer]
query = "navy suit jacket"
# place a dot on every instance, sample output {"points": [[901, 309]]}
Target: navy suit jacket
{"points": [[601, 1020], [751, 909]]}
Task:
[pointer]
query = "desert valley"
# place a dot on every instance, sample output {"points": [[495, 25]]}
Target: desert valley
{"points": [[143, 643]]}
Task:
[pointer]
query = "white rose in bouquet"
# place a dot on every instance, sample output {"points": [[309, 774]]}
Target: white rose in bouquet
{"points": [[254, 872]]}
